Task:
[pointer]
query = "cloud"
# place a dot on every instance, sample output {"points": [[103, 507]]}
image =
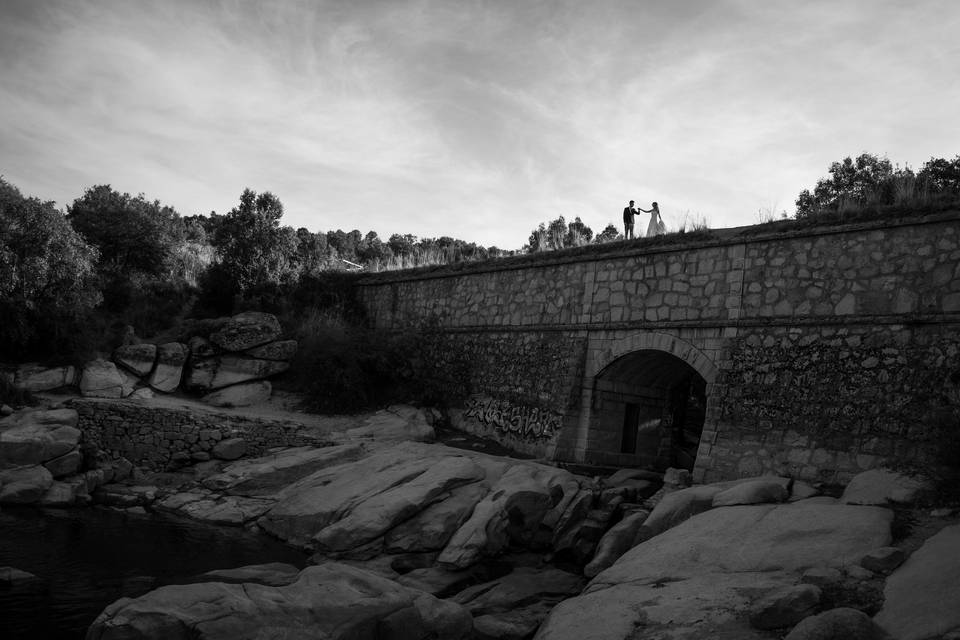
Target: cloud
{"points": [[476, 119]]}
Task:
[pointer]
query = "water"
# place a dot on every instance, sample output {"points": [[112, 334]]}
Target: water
{"points": [[87, 558]]}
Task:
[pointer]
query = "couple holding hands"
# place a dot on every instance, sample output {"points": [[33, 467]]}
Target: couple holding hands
{"points": [[656, 226]]}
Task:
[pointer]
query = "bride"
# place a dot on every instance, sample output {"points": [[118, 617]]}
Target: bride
{"points": [[656, 226]]}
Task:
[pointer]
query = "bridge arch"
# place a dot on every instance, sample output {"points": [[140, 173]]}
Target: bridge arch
{"points": [[645, 398]]}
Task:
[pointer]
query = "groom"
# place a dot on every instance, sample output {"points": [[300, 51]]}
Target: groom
{"points": [[628, 214]]}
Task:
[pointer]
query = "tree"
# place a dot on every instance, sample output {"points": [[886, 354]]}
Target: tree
{"points": [[131, 233], [47, 275], [609, 234], [941, 176], [252, 247], [867, 180], [577, 234]]}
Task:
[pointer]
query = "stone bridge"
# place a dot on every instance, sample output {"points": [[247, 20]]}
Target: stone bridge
{"points": [[814, 352]]}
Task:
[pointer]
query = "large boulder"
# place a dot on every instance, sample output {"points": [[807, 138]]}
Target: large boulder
{"points": [[881, 487], [100, 379], [240, 395], [169, 368], [843, 622], [432, 528], [279, 350], [786, 607], [65, 465], [676, 507], [332, 601], [216, 373], [702, 577], [24, 485], [615, 542], [35, 377], [921, 598], [512, 510], [136, 358], [229, 449], [35, 437], [376, 515], [246, 330]]}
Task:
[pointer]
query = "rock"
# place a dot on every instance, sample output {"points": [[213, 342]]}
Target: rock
{"points": [[785, 607], [517, 624], [677, 478], [328, 496], [848, 624], [822, 576], [621, 476], [788, 537], [65, 465], [881, 487], [6, 410], [240, 395], [169, 368], [801, 491], [227, 510], [333, 601], [394, 424], [24, 485], [229, 370], [143, 393], [246, 330], [136, 358], [269, 474], [521, 586], [858, 573], [615, 542], [65, 494], [119, 495], [230, 449], [129, 382], [883, 560], [200, 456], [273, 574], [200, 348], [757, 491], [432, 528], [438, 581], [13, 577], [34, 437], [921, 598], [708, 606], [370, 518], [100, 379], [279, 350], [34, 377], [676, 507], [513, 509]]}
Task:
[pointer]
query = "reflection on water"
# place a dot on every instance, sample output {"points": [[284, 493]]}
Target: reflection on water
{"points": [[87, 558]]}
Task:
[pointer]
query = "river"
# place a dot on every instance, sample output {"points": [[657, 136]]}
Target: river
{"points": [[87, 558]]}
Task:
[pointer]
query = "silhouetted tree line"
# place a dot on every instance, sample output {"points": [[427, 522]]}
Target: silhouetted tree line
{"points": [[870, 182], [113, 257]]}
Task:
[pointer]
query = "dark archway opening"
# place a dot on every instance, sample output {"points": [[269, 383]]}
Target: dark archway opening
{"points": [[648, 411]]}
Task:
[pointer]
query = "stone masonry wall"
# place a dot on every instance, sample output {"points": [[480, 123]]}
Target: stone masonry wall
{"points": [[824, 403], [162, 438], [829, 336]]}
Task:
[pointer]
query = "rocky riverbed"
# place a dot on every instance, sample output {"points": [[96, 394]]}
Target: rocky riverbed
{"points": [[411, 538]]}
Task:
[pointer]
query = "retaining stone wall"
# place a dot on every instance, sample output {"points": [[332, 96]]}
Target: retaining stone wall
{"points": [[158, 437]]}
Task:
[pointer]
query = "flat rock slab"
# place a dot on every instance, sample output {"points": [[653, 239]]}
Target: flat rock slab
{"points": [[332, 601], [922, 597], [523, 586], [37, 437], [266, 475], [274, 574], [101, 379], [791, 536], [704, 606]]}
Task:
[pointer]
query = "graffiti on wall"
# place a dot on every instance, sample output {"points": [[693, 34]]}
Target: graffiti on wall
{"points": [[528, 423]]}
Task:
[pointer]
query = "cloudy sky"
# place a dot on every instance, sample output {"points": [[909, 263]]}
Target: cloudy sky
{"points": [[474, 119]]}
